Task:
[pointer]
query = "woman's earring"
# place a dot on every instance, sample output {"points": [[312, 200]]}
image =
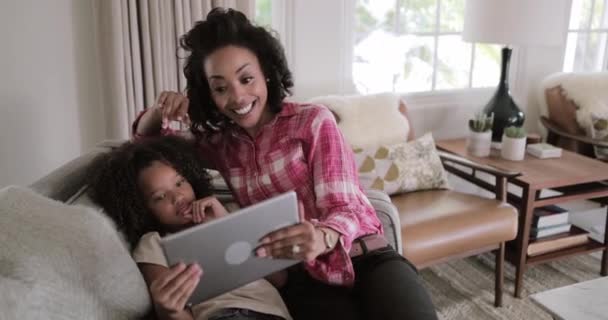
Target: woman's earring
{"points": [[267, 79]]}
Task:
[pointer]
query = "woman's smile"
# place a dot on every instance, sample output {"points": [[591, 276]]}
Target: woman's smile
{"points": [[245, 110]]}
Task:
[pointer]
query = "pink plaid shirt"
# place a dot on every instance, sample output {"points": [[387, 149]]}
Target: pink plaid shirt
{"points": [[301, 149]]}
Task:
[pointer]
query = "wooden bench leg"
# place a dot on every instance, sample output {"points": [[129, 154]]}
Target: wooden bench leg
{"points": [[499, 275]]}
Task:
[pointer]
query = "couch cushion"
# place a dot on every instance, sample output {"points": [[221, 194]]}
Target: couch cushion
{"points": [[440, 223], [402, 167], [63, 261]]}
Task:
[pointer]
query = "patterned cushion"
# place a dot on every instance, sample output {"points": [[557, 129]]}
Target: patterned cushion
{"points": [[402, 167]]}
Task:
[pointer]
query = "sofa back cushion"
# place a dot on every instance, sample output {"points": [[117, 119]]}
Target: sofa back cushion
{"points": [[62, 261], [370, 120]]}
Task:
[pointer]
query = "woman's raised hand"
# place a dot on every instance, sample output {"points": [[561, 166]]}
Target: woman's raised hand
{"points": [[170, 292], [173, 106], [302, 241]]}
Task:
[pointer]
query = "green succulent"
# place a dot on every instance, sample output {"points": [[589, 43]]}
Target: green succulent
{"points": [[481, 122], [514, 132]]}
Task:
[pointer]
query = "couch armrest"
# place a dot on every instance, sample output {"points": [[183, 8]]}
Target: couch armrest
{"points": [[64, 182], [111, 144], [450, 157], [388, 215]]}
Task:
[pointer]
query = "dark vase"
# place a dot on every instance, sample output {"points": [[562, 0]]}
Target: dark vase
{"points": [[506, 112]]}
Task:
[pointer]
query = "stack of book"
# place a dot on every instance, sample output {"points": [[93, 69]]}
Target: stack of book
{"points": [[548, 221], [551, 231]]}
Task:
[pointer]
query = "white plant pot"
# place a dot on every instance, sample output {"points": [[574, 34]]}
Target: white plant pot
{"points": [[479, 143], [513, 149]]}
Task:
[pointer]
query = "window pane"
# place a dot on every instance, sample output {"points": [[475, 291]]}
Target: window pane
{"points": [[416, 16], [486, 69], [596, 16], [605, 20], [585, 51], [580, 14], [451, 15], [263, 12], [570, 56], [594, 55], [580, 41], [418, 68], [386, 62], [453, 63], [366, 20]]}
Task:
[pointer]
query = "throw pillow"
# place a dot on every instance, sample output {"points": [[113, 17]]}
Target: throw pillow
{"points": [[380, 113], [402, 167], [62, 261]]}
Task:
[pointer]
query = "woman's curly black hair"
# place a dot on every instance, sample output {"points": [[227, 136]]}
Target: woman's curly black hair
{"points": [[113, 182], [222, 28]]}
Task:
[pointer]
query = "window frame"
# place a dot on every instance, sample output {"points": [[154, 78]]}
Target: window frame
{"points": [[435, 34], [434, 98]]}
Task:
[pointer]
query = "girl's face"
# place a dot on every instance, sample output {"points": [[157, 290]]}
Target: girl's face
{"points": [[238, 87], [167, 195]]}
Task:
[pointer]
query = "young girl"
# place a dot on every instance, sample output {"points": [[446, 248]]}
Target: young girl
{"points": [[237, 81], [159, 186]]}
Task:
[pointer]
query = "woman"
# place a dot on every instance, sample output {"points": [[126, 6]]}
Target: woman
{"points": [[238, 79]]}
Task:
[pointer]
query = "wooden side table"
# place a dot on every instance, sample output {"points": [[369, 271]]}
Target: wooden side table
{"points": [[574, 176]]}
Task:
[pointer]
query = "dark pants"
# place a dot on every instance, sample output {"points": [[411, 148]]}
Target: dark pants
{"points": [[386, 286]]}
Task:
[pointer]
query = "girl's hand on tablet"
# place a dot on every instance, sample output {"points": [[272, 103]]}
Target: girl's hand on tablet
{"points": [[170, 291]]}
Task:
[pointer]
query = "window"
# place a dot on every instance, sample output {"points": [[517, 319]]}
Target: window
{"points": [[263, 12], [415, 45], [586, 47]]}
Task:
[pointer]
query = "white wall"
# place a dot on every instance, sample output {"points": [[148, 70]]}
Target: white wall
{"points": [[50, 109]]}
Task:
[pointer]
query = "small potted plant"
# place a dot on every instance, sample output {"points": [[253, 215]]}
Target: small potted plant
{"points": [[513, 143], [480, 134]]}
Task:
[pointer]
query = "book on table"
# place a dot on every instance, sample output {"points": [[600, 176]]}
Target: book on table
{"points": [[575, 237], [537, 233], [544, 150], [550, 215]]}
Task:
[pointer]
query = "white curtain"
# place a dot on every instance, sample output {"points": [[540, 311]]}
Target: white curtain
{"points": [[138, 50]]}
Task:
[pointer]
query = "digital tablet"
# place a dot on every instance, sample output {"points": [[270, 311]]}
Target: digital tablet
{"points": [[224, 248]]}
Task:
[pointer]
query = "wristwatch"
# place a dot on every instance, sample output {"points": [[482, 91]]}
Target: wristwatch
{"points": [[328, 239]]}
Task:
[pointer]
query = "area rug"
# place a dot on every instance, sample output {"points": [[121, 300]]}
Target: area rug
{"points": [[464, 288]]}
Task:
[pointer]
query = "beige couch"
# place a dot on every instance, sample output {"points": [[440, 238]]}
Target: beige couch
{"points": [[77, 281]]}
